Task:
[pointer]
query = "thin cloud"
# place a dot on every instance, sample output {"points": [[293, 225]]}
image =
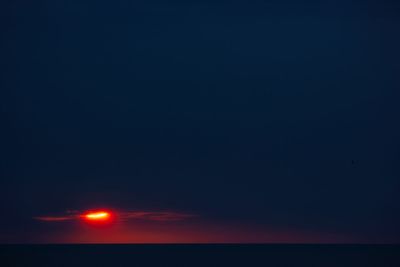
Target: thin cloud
{"points": [[159, 216], [55, 218]]}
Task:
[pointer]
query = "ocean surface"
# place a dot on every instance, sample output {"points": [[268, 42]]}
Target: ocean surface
{"points": [[199, 255]]}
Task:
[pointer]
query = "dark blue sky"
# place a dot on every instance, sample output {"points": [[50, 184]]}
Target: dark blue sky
{"points": [[271, 113]]}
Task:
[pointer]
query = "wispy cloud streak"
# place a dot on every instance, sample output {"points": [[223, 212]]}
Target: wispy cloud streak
{"points": [[54, 218], [156, 216], [160, 216]]}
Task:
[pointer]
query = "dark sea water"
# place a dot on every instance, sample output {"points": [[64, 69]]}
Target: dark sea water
{"points": [[200, 255]]}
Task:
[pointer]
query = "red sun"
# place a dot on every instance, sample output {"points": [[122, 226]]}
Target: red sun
{"points": [[98, 217]]}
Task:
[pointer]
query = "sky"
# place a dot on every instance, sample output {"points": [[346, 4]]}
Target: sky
{"points": [[243, 121]]}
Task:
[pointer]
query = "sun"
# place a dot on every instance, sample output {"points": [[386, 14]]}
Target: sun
{"points": [[98, 217]]}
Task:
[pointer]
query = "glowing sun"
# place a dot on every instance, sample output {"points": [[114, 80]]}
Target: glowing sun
{"points": [[98, 216]]}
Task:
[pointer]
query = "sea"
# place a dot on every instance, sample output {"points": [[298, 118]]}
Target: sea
{"points": [[199, 255]]}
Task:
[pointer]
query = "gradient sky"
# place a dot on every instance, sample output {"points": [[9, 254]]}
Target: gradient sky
{"points": [[271, 121]]}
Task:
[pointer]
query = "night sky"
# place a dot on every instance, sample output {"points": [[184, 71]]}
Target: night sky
{"points": [[243, 121]]}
